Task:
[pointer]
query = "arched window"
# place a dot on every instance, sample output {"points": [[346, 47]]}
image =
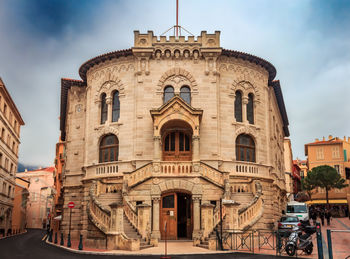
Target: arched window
{"points": [[104, 108], [185, 94], [115, 107], [109, 149], [245, 148], [238, 106], [168, 93], [250, 109]]}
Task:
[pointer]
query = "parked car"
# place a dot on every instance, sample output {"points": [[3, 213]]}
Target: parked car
{"points": [[287, 223]]}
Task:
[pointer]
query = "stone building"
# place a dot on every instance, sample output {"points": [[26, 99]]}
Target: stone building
{"points": [[19, 215], [40, 203], [159, 133], [10, 123]]}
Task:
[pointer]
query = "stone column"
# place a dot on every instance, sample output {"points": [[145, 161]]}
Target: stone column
{"points": [[196, 217], [155, 226], [109, 109], [244, 108], [157, 148], [207, 218], [116, 223], [143, 219], [231, 219], [195, 148]]}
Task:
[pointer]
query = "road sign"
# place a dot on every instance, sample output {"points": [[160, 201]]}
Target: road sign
{"points": [[71, 205]]}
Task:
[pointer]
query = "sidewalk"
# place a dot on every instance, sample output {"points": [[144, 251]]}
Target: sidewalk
{"points": [[340, 240]]}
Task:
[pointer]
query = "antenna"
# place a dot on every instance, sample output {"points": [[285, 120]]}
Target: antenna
{"points": [[177, 28]]}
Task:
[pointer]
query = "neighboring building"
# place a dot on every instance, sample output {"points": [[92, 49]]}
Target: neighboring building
{"points": [[333, 152], [303, 167], [19, 216], [58, 182], [160, 133], [296, 178], [288, 166], [41, 193], [10, 123]]}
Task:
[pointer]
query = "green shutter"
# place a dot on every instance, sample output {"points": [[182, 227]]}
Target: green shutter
{"points": [[345, 156]]}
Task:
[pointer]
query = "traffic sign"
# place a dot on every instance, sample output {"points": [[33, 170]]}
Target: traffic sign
{"points": [[71, 205]]}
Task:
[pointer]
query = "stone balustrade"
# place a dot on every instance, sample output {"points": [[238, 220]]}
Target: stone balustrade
{"points": [[250, 169], [139, 175], [101, 217], [175, 168], [248, 215], [130, 212], [212, 174], [241, 187], [103, 170]]}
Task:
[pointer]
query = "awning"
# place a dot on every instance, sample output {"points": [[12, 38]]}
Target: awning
{"points": [[325, 201], [58, 217]]}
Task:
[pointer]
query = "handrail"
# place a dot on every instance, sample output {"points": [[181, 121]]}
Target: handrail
{"points": [[130, 212], [99, 214], [212, 174], [139, 175]]}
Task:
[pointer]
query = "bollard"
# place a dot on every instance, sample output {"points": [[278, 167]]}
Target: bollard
{"points": [[329, 240], [50, 236], [319, 240], [55, 241], [62, 241], [80, 247], [69, 244]]}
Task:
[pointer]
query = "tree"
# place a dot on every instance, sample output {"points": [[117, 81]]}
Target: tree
{"points": [[308, 183], [325, 177]]}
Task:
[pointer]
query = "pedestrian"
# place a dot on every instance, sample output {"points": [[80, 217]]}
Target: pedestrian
{"points": [[322, 216], [314, 217], [328, 217]]}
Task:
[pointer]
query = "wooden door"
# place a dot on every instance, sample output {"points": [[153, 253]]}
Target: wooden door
{"points": [[177, 146], [168, 212]]}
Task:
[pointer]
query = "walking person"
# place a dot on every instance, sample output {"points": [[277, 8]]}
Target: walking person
{"points": [[328, 217], [322, 216], [314, 217]]}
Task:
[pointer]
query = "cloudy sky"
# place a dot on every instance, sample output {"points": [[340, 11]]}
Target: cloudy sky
{"points": [[308, 41]]}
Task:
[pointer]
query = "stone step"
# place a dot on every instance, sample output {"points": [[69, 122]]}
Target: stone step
{"points": [[145, 246], [108, 198], [242, 197], [203, 246]]}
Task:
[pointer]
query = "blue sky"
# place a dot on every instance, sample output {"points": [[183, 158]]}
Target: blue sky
{"points": [[308, 41]]}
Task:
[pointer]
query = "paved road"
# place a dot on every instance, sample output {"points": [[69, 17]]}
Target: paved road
{"points": [[30, 245]]}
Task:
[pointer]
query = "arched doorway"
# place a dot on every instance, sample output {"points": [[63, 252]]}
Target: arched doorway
{"points": [[176, 216], [176, 141]]}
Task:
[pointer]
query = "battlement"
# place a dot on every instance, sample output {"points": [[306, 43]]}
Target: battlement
{"points": [[148, 40]]}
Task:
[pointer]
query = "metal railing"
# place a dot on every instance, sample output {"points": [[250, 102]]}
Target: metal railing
{"points": [[329, 241]]}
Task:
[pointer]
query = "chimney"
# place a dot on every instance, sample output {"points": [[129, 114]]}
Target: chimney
{"points": [[316, 140], [26, 170], [344, 138], [323, 138], [330, 137]]}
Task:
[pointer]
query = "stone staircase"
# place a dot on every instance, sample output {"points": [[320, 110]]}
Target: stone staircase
{"points": [[244, 198], [131, 232], [108, 198]]}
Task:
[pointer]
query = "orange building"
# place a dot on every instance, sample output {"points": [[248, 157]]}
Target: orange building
{"points": [[19, 214], [333, 152], [303, 167], [58, 178]]}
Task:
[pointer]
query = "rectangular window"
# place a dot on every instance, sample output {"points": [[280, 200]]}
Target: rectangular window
{"points": [[319, 153], [335, 152]]}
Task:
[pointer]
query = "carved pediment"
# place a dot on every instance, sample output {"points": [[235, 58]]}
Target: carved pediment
{"points": [[176, 109]]}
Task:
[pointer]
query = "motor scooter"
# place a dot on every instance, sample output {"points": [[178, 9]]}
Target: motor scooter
{"points": [[299, 241]]}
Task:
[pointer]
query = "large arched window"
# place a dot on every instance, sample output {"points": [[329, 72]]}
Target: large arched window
{"points": [[185, 94], [250, 109], [115, 107], [168, 93], [109, 149], [104, 108], [238, 106], [245, 148]]}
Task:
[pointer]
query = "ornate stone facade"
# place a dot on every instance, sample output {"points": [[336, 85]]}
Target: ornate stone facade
{"points": [[187, 124]]}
